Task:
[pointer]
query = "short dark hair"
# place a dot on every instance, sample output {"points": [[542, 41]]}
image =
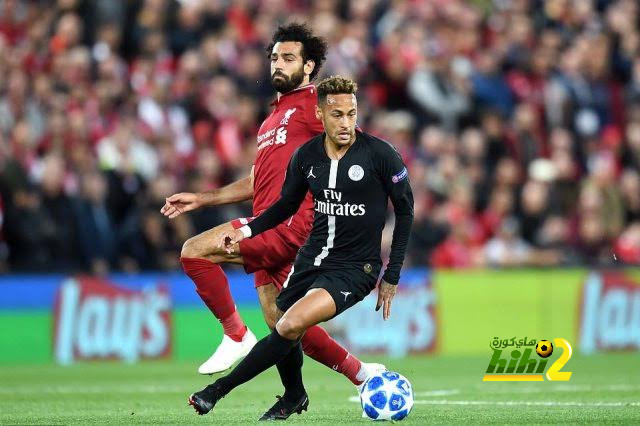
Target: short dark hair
{"points": [[336, 85], [314, 48]]}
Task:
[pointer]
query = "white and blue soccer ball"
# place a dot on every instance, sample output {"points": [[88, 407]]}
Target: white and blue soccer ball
{"points": [[386, 396]]}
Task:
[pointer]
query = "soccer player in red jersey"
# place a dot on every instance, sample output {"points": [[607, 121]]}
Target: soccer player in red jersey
{"points": [[296, 56]]}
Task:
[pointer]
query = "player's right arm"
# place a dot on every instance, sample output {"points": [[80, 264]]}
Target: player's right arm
{"points": [[294, 190], [241, 190]]}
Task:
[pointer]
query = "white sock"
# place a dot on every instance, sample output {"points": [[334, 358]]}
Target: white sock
{"points": [[362, 373]]}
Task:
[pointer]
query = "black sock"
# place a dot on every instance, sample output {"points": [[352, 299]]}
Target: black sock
{"points": [[290, 369], [266, 353]]}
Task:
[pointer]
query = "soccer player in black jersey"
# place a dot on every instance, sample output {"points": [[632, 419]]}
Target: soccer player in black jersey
{"points": [[351, 176]]}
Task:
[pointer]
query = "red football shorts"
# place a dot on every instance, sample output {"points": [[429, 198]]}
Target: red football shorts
{"points": [[269, 255]]}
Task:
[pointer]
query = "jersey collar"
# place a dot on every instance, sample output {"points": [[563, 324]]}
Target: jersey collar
{"points": [[294, 92], [323, 150]]}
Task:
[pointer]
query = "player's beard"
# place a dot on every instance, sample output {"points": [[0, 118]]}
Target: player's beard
{"points": [[285, 83]]}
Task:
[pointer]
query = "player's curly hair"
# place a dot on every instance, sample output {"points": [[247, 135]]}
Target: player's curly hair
{"points": [[336, 85], [314, 48]]}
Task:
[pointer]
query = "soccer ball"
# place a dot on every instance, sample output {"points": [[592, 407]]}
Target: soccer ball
{"points": [[544, 348], [386, 396]]}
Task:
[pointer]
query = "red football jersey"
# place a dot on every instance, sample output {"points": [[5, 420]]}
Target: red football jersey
{"points": [[292, 123]]}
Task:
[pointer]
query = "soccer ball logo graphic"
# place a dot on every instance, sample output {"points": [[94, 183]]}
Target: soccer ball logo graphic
{"points": [[544, 348], [386, 396]]}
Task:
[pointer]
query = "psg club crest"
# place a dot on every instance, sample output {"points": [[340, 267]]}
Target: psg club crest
{"points": [[356, 172]]}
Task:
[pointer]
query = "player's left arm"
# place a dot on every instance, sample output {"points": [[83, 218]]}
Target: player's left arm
{"points": [[395, 178]]}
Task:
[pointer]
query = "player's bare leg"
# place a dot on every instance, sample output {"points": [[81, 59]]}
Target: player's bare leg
{"points": [[204, 246], [318, 345], [315, 307], [302, 319], [267, 297], [201, 259]]}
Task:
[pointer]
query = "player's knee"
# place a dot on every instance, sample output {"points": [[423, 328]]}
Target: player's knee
{"points": [[290, 328], [193, 248], [199, 248], [190, 249]]}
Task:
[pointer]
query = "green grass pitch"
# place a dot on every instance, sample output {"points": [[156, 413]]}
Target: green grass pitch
{"points": [[603, 388]]}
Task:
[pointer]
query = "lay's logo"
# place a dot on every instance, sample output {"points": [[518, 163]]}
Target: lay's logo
{"points": [[95, 319]]}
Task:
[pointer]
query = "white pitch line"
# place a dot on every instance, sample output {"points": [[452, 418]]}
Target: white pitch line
{"points": [[519, 403], [443, 392]]}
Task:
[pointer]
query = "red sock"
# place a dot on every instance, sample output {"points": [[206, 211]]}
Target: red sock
{"points": [[317, 344], [213, 288], [234, 327]]}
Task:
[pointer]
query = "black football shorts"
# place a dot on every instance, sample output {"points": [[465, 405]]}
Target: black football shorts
{"points": [[347, 284]]}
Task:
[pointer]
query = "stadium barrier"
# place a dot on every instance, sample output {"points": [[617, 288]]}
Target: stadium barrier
{"points": [[155, 315]]}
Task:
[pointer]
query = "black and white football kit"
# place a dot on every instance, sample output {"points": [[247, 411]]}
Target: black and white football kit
{"points": [[342, 253]]}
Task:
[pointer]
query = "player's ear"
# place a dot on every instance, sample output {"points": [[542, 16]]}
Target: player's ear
{"points": [[308, 67], [318, 112]]}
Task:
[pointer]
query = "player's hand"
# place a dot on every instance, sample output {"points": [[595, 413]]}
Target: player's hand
{"points": [[180, 203], [386, 292], [229, 238]]}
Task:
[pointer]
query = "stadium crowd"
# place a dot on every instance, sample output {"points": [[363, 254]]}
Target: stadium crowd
{"points": [[519, 119]]}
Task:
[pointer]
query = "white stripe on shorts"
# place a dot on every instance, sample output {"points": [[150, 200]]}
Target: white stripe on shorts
{"points": [[286, 282]]}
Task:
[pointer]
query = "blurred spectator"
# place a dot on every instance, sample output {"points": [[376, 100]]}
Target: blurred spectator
{"points": [[603, 180], [154, 243], [441, 92], [533, 201], [30, 232], [16, 105], [500, 205], [630, 191], [62, 238], [125, 152], [97, 234], [507, 248], [426, 234], [490, 86]]}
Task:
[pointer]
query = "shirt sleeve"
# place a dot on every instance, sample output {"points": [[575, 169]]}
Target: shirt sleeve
{"points": [[395, 178], [294, 190]]}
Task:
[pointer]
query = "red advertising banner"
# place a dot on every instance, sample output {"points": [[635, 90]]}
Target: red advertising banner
{"points": [[96, 319], [609, 312]]}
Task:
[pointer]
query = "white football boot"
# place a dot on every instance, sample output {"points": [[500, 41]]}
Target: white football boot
{"points": [[369, 369], [228, 352]]}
